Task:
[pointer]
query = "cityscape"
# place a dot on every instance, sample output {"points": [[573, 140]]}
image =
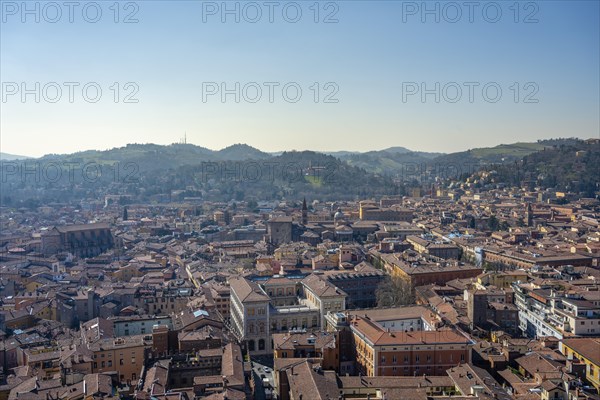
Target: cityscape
{"points": [[328, 200]]}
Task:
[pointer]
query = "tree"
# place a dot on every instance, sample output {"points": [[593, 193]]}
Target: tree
{"points": [[393, 292], [472, 223], [493, 223]]}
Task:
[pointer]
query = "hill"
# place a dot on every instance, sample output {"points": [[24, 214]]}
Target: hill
{"points": [[573, 167], [11, 157], [241, 152]]}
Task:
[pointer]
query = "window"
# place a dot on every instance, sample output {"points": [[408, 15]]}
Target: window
{"points": [[110, 363], [121, 362]]}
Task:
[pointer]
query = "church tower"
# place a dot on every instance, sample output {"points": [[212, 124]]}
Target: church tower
{"points": [[304, 212], [529, 215]]}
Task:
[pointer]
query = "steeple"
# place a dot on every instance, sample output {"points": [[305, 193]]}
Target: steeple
{"points": [[304, 212], [529, 215]]}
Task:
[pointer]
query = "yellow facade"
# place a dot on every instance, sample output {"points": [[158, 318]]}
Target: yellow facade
{"points": [[592, 370]]}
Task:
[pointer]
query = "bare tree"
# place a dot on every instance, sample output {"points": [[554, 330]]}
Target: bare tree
{"points": [[394, 291]]}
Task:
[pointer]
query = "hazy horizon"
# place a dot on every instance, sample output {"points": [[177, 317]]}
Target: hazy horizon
{"points": [[282, 150]]}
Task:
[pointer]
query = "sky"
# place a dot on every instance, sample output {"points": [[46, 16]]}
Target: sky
{"points": [[278, 75]]}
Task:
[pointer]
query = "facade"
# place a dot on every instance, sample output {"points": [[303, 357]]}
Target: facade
{"points": [[587, 351], [420, 272], [545, 312], [308, 345], [124, 355], [88, 240], [279, 230], [385, 352], [280, 305], [323, 295], [360, 286], [249, 314], [370, 211], [492, 309], [131, 326], [440, 250]]}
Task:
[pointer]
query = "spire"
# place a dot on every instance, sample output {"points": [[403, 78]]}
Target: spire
{"points": [[304, 212]]}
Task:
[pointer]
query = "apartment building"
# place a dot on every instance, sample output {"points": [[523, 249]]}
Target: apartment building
{"points": [[587, 351], [124, 355], [544, 311], [385, 352]]}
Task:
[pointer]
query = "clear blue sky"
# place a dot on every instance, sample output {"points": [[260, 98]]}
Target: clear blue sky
{"points": [[371, 54]]}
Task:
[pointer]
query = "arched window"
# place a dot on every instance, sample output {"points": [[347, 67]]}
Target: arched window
{"points": [[250, 345], [261, 344]]}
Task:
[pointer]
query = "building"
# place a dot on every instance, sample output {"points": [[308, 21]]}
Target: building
{"points": [[420, 272], [87, 240], [370, 211], [308, 345], [138, 325], [544, 311], [124, 355], [435, 249], [492, 309], [385, 351], [587, 351], [323, 296], [249, 314], [279, 230]]}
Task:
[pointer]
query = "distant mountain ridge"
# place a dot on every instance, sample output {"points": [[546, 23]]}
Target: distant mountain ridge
{"points": [[388, 162], [158, 173], [11, 157]]}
